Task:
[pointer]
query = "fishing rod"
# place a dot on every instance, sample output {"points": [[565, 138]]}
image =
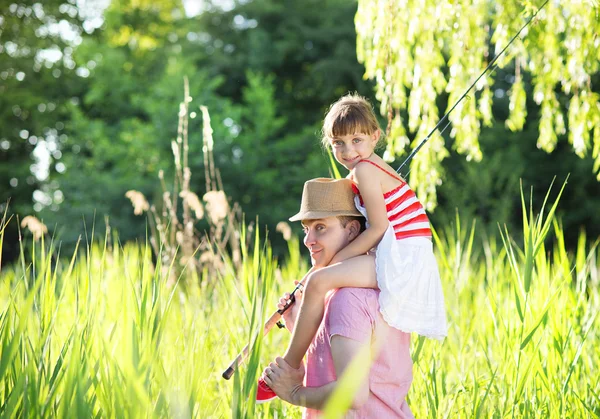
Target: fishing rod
{"points": [[492, 65], [276, 316], [275, 319]]}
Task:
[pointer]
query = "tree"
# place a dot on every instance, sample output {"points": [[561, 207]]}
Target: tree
{"points": [[284, 63], [120, 129], [38, 78], [489, 189], [427, 50], [266, 79], [309, 46]]}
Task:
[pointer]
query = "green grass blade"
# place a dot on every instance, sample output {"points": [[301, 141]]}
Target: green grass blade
{"points": [[333, 166]]}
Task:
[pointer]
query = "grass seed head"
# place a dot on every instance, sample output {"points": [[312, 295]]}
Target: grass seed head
{"points": [[217, 206], [285, 229], [138, 200], [192, 200], [37, 228]]}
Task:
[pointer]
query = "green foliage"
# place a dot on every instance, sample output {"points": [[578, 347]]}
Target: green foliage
{"points": [[484, 190], [266, 102], [37, 80], [265, 162], [424, 50], [309, 46], [285, 63], [518, 106], [91, 357], [119, 134]]}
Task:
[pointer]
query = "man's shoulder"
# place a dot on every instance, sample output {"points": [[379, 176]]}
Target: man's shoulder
{"points": [[353, 313], [348, 298], [358, 292]]}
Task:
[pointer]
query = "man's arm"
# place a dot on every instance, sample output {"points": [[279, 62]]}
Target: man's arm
{"points": [[287, 381], [343, 352]]}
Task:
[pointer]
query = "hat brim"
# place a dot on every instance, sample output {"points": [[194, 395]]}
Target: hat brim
{"points": [[315, 215]]}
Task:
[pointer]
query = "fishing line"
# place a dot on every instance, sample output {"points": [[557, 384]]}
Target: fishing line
{"points": [[492, 65]]}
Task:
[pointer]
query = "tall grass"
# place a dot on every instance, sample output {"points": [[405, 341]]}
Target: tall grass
{"points": [[100, 333], [523, 332]]}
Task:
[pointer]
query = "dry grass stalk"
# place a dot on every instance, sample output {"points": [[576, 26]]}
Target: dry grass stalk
{"points": [[212, 175], [173, 230]]}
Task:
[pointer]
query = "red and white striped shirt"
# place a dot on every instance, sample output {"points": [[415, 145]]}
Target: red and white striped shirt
{"points": [[404, 211]]}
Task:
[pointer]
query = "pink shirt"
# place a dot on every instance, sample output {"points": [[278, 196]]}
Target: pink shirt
{"points": [[354, 313]]}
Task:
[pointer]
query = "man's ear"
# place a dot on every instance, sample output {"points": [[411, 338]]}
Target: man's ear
{"points": [[353, 229]]}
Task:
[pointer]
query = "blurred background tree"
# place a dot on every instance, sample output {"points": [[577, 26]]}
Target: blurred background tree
{"points": [[121, 127], [38, 79], [90, 97], [285, 62]]}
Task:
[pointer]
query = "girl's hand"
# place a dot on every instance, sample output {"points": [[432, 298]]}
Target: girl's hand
{"points": [[291, 313]]}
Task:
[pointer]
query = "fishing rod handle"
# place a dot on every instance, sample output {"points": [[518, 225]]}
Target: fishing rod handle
{"points": [[234, 364]]}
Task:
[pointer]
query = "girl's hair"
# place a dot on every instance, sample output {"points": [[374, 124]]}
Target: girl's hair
{"points": [[351, 114]]}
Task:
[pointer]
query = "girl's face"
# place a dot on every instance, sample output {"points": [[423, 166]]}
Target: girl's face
{"points": [[348, 150]]}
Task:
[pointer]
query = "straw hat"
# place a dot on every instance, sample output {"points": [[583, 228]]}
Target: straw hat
{"points": [[324, 197]]}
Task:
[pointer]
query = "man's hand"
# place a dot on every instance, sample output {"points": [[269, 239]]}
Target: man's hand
{"points": [[291, 314], [284, 380]]}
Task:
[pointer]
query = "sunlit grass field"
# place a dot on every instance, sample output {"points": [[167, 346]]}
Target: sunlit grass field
{"points": [[99, 333]]}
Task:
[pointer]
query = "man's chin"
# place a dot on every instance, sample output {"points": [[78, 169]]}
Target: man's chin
{"points": [[319, 262]]}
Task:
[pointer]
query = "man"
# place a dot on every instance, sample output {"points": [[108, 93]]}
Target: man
{"points": [[352, 323]]}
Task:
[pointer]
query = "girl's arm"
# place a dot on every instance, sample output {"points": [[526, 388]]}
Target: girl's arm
{"points": [[367, 178]]}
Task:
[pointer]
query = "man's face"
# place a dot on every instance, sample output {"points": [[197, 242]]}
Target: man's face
{"points": [[325, 237]]}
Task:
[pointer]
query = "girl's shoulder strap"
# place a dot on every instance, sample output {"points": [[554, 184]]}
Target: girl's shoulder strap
{"points": [[382, 169]]}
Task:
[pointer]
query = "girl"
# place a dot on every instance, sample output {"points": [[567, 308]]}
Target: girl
{"points": [[404, 267]]}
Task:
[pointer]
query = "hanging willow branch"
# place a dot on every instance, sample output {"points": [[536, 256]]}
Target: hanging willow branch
{"points": [[440, 46]]}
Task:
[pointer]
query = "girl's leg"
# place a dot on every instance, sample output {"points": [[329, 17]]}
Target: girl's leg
{"points": [[358, 272]]}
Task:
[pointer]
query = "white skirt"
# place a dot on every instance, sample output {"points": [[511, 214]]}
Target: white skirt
{"points": [[411, 298]]}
